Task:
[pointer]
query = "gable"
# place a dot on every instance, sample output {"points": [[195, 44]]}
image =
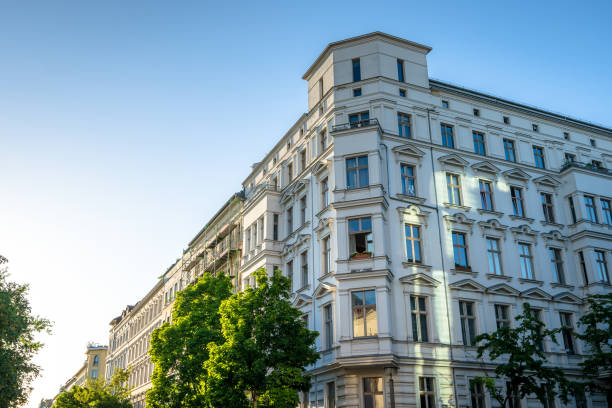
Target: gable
{"points": [[301, 300], [408, 150], [467, 285], [567, 297], [420, 279], [485, 167], [547, 181], [323, 289], [502, 289], [453, 160], [516, 174], [535, 293]]}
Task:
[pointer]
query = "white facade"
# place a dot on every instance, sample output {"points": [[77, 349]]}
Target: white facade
{"points": [[313, 241]]}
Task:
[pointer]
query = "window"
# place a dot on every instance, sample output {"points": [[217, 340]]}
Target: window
{"points": [[509, 151], [589, 203], [275, 227], [357, 172], [289, 220], [329, 326], [602, 266], [403, 125], [304, 266], [96, 360], [570, 158], [596, 164], [373, 393], [538, 157], [605, 211], [94, 374], [331, 394], [572, 209], [502, 316], [290, 172], [494, 255], [303, 210], [274, 183], [517, 201], [547, 207], [418, 310], [402, 93], [365, 322], [514, 400], [357, 92], [534, 127], [526, 260], [356, 70], [477, 395], [557, 265], [593, 144], [400, 70], [413, 243], [408, 184], [453, 188], [567, 330], [479, 144], [360, 235], [326, 252], [486, 195], [324, 193], [290, 273], [476, 112], [321, 88], [566, 135], [323, 141], [447, 135], [359, 119], [302, 159], [468, 322], [445, 104], [427, 394], [582, 262], [506, 120], [460, 250]]}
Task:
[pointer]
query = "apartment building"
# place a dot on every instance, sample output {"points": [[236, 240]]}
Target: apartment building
{"points": [[215, 248], [412, 215], [93, 368]]}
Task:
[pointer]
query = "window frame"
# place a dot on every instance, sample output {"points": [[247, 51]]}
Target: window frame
{"points": [[487, 205], [453, 190], [419, 318], [606, 210], [468, 334], [447, 133], [400, 70], [356, 68], [494, 256], [461, 250], [518, 202], [304, 276], [415, 242], [548, 207], [427, 392], [378, 391], [556, 260], [369, 241], [404, 128], [509, 150], [567, 332], [408, 180], [364, 308], [590, 208], [602, 266], [526, 261], [502, 315], [328, 325], [538, 153], [324, 192], [478, 138], [356, 169]]}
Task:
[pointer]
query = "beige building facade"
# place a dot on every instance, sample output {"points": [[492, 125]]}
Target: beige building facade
{"points": [[93, 368]]}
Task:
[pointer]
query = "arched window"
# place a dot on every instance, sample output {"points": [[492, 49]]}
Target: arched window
{"points": [[96, 360]]}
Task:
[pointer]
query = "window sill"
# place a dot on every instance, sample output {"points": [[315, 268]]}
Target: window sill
{"points": [[417, 265], [470, 272], [491, 212], [562, 285], [495, 276], [411, 198], [461, 207], [519, 218], [534, 281]]}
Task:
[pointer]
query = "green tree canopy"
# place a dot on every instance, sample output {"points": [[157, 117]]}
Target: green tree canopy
{"points": [[522, 364], [178, 350], [266, 349], [18, 328], [97, 394]]}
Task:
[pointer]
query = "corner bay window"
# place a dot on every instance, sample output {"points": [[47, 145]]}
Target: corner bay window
{"points": [[408, 184], [359, 119], [413, 243], [453, 189], [602, 266], [468, 322], [365, 321], [460, 251], [360, 236], [606, 211], [357, 172], [589, 203]]}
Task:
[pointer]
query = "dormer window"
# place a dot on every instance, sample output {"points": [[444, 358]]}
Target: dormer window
{"points": [[356, 70]]}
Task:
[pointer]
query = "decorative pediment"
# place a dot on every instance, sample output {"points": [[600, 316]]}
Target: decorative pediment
{"points": [[547, 181], [467, 285], [420, 279], [453, 160], [524, 231], [492, 225], [459, 218], [408, 150], [554, 235], [413, 214], [323, 289], [567, 297], [323, 223], [535, 293], [485, 167], [502, 289], [516, 174], [319, 167], [301, 300]]}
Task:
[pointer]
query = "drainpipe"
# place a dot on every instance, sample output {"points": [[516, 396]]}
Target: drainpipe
{"points": [[450, 338]]}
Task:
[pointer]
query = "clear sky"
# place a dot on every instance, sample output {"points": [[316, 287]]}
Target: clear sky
{"points": [[124, 125]]}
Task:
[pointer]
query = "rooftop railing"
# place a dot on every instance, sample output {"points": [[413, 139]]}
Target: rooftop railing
{"points": [[355, 125]]}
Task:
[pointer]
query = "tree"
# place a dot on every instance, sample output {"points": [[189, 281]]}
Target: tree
{"points": [[522, 365], [597, 334], [18, 328], [178, 349], [97, 394], [266, 349]]}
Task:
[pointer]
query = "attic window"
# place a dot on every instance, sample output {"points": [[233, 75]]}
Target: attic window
{"points": [[445, 104], [357, 92], [593, 143], [507, 120], [566, 135], [402, 93], [535, 127], [476, 112]]}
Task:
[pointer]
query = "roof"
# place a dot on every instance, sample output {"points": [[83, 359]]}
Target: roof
{"points": [[528, 109], [359, 38]]}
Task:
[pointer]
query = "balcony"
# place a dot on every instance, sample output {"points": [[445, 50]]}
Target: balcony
{"points": [[265, 186], [585, 166], [355, 125]]}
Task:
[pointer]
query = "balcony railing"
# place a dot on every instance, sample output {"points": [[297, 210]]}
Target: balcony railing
{"points": [[355, 125], [261, 186], [585, 166]]}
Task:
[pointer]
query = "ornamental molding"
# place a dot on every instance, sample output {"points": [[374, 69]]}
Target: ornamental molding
{"points": [[420, 279], [494, 226], [467, 285], [486, 167], [413, 214], [453, 160], [460, 219]]}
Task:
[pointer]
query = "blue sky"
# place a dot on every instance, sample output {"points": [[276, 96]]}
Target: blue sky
{"points": [[125, 125]]}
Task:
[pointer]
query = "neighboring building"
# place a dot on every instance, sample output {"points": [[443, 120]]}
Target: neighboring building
{"points": [[45, 403], [411, 215], [93, 368], [215, 248]]}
